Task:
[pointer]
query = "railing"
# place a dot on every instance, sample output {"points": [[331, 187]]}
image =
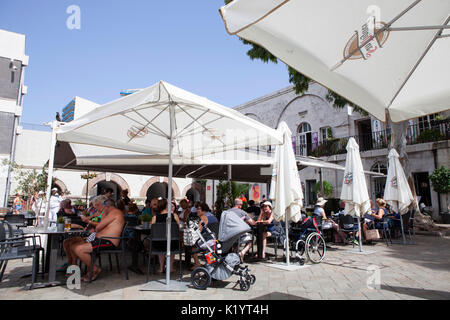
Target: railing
{"points": [[434, 131]]}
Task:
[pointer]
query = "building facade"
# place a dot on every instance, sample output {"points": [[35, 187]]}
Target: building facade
{"points": [[320, 130], [13, 62]]}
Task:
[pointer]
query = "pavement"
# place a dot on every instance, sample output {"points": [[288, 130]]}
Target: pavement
{"points": [[396, 272]]}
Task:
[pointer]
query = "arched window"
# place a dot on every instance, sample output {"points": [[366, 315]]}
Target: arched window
{"points": [[304, 139], [379, 183]]}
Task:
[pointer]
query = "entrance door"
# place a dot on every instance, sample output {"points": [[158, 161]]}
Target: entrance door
{"points": [[310, 194], [365, 135], [422, 185]]}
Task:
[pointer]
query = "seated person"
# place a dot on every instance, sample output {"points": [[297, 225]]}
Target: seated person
{"points": [[253, 210], [320, 212], [161, 217], [375, 217], [111, 225], [237, 209], [147, 209], [266, 218]]}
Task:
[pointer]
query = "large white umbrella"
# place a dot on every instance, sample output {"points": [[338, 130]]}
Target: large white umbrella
{"points": [[286, 190], [354, 188], [379, 54], [164, 119], [397, 192]]}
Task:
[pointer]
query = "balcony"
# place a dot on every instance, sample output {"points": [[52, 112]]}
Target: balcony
{"points": [[434, 131]]}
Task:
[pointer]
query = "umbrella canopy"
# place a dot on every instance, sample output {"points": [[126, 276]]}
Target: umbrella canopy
{"points": [[354, 188], [378, 54], [397, 192], [286, 190], [141, 122]]}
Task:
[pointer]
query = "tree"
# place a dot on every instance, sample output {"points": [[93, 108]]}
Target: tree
{"points": [[28, 181], [224, 199], [399, 130]]}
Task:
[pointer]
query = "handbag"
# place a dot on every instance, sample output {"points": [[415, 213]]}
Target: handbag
{"points": [[372, 234]]}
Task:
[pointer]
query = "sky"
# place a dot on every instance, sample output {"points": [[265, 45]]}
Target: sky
{"points": [[132, 44]]}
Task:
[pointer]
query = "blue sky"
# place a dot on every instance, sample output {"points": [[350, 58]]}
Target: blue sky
{"points": [[132, 44]]}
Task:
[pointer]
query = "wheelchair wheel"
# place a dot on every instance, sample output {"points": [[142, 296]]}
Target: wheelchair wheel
{"points": [[200, 278], [315, 247]]}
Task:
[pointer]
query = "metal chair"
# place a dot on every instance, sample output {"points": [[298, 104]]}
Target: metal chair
{"points": [[12, 247], [348, 225], [120, 249], [158, 235]]}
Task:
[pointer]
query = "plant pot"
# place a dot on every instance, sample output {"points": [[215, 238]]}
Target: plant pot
{"points": [[60, 227]]}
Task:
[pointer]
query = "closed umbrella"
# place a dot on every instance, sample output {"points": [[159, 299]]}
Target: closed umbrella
{"points": [[354, 188], [379, 54], [397, 192], [286, 191]]}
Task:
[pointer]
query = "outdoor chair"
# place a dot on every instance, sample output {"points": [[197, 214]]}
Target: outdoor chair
{"points": [[12, 248], [348, 225], [386, 230], [17, 221], [158, 235], [120, 249]]}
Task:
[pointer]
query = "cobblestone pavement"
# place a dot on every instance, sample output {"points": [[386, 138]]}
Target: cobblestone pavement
{"points": [[420, 271]]}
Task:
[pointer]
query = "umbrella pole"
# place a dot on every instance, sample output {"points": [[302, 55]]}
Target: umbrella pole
{"points": [[359, 233], [401, 226], [169, 196], [50, 173], [286, 222]]}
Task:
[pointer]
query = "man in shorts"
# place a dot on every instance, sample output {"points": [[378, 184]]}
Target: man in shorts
{"points": [[111, 225]]}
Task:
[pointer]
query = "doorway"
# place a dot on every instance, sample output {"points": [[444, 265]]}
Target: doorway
{"points": [[365, 135], [422, 185]]}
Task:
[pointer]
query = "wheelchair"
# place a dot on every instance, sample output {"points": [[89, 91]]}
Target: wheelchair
{"points": [[307, 237]]}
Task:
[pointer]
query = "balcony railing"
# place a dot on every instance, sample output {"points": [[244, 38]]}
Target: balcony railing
{"points": [[432, 132]]}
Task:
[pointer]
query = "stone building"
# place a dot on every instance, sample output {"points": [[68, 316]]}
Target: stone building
{"points": [[320, 130]]}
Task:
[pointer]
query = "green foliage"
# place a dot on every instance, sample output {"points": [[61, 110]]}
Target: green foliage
{"points": [[440, 179], [28, 181], [60, 220], [430, 135], [330, 147], [145, 218], [327, 188], [79, 202], [237, 189]]}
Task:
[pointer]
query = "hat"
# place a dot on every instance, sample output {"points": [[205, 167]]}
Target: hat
{"points": [[55, 189], [321, 201], [267, 203], [41, 192]]}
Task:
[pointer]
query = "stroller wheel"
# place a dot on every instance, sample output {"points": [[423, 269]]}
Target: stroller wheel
{"points": [[244, 285], [200, 278], [251, 279]]}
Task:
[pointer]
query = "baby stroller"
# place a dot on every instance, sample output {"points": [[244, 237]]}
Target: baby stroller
{"points": [[221, 260]]}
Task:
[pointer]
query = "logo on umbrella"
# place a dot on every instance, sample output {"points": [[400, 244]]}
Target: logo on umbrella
{"points": [[348, 178], [364, 43], [394, 182], [136, 132]]}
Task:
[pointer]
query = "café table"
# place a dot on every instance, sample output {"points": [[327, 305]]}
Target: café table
{"points": [[51, 251], [138, 230]]}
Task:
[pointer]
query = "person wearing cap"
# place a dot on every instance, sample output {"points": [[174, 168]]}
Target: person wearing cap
{"points": [[265, 217], [320, 212]]}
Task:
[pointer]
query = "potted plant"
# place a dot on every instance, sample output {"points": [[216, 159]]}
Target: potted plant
{"points": [[146, 219], [60, 224]]}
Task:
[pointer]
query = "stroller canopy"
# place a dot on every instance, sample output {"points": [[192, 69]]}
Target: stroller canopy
{"points": [[231, 225]]}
